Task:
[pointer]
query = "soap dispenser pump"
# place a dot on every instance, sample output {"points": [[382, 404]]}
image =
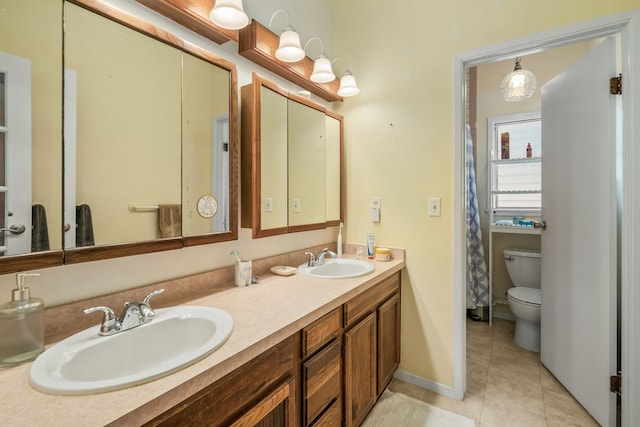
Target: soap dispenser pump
{"points": [[21, 325]]}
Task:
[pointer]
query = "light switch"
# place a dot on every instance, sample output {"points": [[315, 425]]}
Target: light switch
{"points": [[268, 204], [434, 206], [375, 209], [296, 205]]}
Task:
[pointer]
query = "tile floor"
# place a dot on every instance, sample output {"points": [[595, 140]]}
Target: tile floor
{"points": [[507, 386]]}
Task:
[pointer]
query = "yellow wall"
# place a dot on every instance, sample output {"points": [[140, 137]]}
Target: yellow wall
{"points": [[399, 138]]}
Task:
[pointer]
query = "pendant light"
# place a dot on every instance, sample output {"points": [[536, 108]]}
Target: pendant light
{"points": [[229, 14], [518, 85], [289, 48], [322, 72]]}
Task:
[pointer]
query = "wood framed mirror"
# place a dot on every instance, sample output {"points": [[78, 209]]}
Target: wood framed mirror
{"points": [[292, 178], [148, 107]]}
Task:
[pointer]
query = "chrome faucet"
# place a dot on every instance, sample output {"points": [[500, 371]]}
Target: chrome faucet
{"points": [[318, 259], [134, 314]]}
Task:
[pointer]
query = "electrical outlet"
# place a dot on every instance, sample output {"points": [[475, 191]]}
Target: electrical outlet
{"points": [[434, 206], [296, 205], [375, 209], [268, 204]]}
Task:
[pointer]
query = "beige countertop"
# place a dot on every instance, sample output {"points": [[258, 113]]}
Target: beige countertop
{"points": [[264, 314]]}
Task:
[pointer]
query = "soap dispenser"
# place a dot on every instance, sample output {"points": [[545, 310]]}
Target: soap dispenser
{"points": [[21, 325]]}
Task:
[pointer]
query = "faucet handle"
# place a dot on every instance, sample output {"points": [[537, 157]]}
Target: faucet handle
{"points": [[146, 312], [152, 294], [312, 259], [109, 322]]}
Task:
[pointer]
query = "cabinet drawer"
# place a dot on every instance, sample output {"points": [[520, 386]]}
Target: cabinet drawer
{"points": [[322, 385], [332, 417], [320, 332], [369, 300]]}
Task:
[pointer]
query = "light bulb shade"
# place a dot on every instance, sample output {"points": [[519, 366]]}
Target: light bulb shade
{"points": [[348, 85], [289, 49], [322, 72], [518, 85], [229, 14]]}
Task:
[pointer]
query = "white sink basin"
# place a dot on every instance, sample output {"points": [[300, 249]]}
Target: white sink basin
{"points": [[339, 268], [88, 363]]}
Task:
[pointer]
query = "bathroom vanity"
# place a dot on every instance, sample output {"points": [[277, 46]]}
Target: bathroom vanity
{"points": [[304, 351]]}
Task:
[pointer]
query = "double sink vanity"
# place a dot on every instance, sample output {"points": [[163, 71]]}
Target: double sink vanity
{"points": [[303, 350], [316, 348]]}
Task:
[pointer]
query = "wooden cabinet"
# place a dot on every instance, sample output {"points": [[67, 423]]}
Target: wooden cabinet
{"points": [[388, 341], [261, 392], [360, 369], [330, 374], [322, 371], [371, 347]]}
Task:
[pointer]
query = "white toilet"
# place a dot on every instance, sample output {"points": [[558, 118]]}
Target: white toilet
{"points": [[525, 299]]}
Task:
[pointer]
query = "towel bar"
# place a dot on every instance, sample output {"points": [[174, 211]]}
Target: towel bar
{"points": [[143, 208]]}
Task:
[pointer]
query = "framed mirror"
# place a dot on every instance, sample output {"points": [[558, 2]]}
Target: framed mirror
{"points": [[293, 178], [143, 114], [30, 134]]}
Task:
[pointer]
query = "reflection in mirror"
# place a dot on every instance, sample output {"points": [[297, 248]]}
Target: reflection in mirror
{"points": [[30, 133], [333, 129], [138, 101], [128, 130], [307, 164], [293, 174], [205, 147], [273, 160]]}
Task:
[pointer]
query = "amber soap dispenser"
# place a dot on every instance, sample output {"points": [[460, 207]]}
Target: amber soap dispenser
{"points": [[21, 325]]}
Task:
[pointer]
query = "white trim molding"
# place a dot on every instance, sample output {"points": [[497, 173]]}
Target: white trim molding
{"points": [[425, 384]]}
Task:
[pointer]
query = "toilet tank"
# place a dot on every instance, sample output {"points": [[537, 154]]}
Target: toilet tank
{"points": [[523, 266]]}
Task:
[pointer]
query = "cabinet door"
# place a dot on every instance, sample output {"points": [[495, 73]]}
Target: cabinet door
{"points": [[388, 341], [360, 370]]}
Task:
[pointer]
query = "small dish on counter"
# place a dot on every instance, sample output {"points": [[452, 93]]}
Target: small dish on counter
{"points": [[283, 270]]}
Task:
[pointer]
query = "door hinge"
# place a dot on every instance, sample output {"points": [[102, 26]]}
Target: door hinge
{"points": [[615, 85], [616, 383]]}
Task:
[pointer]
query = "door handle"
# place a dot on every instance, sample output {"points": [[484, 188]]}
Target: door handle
{"points": [[544, 225], [15, 229]]}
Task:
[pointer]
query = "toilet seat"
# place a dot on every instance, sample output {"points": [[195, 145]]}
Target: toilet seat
{"points": [[528, 296]]}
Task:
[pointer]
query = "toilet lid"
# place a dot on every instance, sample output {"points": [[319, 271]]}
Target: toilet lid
{"points": [[529, 295]]}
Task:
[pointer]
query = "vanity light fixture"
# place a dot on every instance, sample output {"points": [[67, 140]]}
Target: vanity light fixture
{"points": [[289, 49], [348, 85], [322, 72], [518, 85], [229, 14]]}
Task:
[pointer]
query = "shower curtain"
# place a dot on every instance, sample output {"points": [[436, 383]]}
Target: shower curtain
{"points": [[477, 274]]}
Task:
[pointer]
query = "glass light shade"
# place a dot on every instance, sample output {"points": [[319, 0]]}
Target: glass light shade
{"points": [[229, 14], [518, 85], [348, 85], [289, 49], [322, 72]]}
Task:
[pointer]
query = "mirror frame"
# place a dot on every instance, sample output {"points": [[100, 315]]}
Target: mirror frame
{"points": [[95, 253], [251, 168]]}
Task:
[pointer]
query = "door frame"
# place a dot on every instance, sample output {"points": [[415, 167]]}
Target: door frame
{"points": [[627, 24]]}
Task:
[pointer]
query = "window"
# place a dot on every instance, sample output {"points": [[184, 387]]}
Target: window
{"points": [[515, 151]]}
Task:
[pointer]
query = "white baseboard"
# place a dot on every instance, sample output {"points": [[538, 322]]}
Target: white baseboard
{"points": [[424, 383]]}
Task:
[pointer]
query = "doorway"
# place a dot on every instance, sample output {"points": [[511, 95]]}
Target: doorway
{"points": [[617, 24]]}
